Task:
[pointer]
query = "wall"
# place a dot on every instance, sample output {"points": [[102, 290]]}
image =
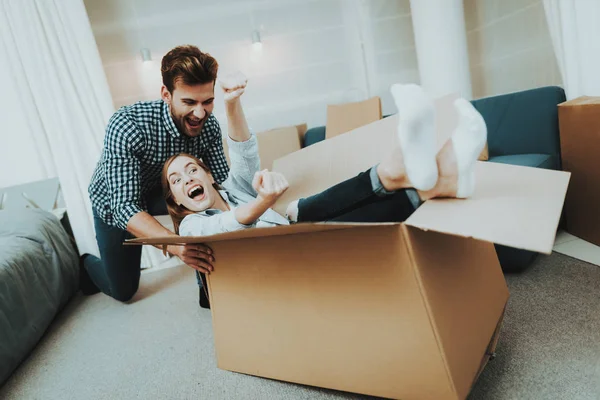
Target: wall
{"points": [[509, 46], [312, 50]]}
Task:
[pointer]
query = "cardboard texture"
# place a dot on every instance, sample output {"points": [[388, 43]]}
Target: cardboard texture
{"points": [[342, 118], [407, 310], [579, 123], [275, 143], [383, 319], [514, 206]]}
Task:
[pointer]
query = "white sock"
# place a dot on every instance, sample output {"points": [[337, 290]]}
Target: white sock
{"points": [[468, 140], [291, 211], [416, 134]]}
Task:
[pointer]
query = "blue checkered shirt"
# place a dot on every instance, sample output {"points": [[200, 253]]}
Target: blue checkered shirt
{"points": [[139, 139]]}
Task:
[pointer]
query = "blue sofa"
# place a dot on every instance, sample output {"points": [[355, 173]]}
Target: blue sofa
{"points": [[522, 130]]}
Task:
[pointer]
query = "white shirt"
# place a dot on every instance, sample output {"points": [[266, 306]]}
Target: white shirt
{"points": [[238, 190]]}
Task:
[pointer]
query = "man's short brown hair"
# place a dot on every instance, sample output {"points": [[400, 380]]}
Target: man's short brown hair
{"points": [[188, 64]]}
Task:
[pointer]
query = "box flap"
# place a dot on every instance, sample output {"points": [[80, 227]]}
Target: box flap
{"points": [[342, 118], [465, 292], [512, 205], [581, 101], [251, 233]]}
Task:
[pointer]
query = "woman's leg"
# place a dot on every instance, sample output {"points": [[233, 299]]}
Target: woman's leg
{"points": [[365, 194], [396, 207], [350, 195]]}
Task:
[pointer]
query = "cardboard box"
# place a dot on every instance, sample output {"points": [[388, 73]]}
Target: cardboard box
{"points": [[275, 143], [579, 122], [342, 118], [408, 310]]}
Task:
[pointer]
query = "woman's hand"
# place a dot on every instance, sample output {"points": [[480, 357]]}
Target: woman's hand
{"points": [[198, 256], [233, 86], [269, 186]]}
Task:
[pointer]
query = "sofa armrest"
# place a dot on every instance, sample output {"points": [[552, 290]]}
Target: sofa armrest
{"points": [[523, 122], [314, 135]]}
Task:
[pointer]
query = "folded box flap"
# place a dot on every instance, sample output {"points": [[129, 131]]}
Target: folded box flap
{"points": [[513, 206], [251, 233]]}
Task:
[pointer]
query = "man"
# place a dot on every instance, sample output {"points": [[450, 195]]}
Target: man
{"points": [[125, 189]]}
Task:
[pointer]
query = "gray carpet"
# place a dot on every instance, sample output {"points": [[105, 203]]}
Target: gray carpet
{"points": [[160, 347]]}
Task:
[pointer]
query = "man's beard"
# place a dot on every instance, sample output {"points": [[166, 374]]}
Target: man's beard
{"points": [[187, 130]]}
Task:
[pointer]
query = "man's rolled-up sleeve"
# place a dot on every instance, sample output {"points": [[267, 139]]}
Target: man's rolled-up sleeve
{"points": [[214, 156]]}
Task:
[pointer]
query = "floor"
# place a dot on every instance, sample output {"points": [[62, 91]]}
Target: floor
{"points": [[549, 345], [577, 248]]}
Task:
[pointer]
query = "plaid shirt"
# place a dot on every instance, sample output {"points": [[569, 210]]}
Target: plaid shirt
{"points": [[139, 139]]}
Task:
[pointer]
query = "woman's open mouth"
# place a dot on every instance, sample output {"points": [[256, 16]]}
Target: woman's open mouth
{"points": [[196, 193]]}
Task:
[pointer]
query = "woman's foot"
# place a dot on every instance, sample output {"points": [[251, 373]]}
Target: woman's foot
{"points": [[416, 136], [456, 160], [447, 182], [291, 211], [468, 141]]}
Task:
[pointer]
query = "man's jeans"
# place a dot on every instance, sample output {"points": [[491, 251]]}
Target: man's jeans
{"points": [[117, 271]]}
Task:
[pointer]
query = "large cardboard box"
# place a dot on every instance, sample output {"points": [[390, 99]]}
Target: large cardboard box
{"points": [[579, 122], [410, 310]]}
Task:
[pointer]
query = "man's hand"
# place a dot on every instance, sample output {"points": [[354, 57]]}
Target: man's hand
{"points": [[269, 185], [233, 86], [198, 256]]}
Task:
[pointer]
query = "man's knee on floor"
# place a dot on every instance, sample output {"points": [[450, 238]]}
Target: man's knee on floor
{"points": [[124, 293]]}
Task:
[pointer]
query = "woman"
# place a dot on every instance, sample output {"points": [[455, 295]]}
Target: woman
{"points": [[388, 192]]}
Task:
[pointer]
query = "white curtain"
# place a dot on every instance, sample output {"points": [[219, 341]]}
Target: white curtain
{"points": [[61, 92], [575, 30]]}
